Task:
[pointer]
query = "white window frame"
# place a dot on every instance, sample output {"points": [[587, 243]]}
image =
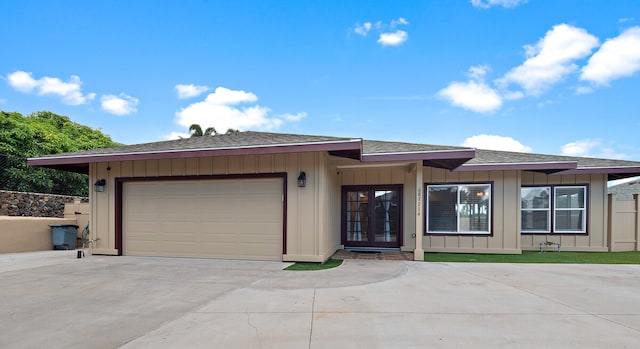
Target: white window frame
{"points": [[554, 209], [583, 209], [459, 232], [548, 209]]}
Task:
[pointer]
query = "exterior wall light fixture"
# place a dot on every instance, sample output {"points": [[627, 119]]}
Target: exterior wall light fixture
{"points": [[302, 179], [99, 185]]}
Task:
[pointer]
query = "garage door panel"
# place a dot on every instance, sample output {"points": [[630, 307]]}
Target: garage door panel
{"points": [[236, 219]]}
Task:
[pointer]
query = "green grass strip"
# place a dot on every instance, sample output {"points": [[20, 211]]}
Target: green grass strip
{"points": [[538, 257], [331, 263]]}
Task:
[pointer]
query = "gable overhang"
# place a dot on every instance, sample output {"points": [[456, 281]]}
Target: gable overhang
{"points": [[448, 159], [353, 154], [613, 173], [543, 167], [80, 162]]}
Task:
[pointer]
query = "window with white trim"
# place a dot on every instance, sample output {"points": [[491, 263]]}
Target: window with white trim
{"points": [[535, 205], [554, 209], [570, 211], [458, 209]]}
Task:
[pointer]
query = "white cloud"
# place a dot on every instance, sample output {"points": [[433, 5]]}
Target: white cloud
{"points": [[400, 21], [225, 109], [582, 147], [512, 95], [388, 35], [362, 29], [618, 57], [503, 3], [472, 95], [583, 90], [119, 105], [22, 81], [478, 72], [493, 142], [224, 96], [70, 92], [177, 135], [294, 117], [393, 39], [610, 153], [551, 59], [591, 148], [189, 91]]}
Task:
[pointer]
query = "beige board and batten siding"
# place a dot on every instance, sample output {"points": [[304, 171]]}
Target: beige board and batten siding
{"points": [[306, 224], [331, 204], [596, 237], [505, 213]]}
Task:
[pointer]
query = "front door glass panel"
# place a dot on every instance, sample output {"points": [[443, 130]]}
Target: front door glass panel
{"points": [[357, 216], [372, 216], [386, 215]]}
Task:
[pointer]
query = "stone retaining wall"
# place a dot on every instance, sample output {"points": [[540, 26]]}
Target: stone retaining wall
{"points": [[14, 203]]}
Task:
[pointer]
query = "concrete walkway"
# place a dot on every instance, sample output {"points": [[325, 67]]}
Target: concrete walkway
{"points": [[51, 299]]}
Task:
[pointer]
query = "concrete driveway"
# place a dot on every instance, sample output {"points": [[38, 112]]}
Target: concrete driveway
{"points": [[53, 300]]}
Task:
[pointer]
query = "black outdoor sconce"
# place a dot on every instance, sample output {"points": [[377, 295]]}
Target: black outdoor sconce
{"points": [[99, 185], [302, 179]]}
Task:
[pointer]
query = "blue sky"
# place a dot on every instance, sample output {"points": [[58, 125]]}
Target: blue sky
{"points": [[556, 77]]}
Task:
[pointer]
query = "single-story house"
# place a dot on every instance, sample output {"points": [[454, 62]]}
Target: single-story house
{"points": [[290, 197]]}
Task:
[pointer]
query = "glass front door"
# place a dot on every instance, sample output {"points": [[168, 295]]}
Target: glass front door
{"points": [[372, 216]]}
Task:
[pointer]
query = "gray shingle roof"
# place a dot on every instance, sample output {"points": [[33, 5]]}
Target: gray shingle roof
{"points": [[625, 191], [376, 147], [493, 156], [250, 142], [221, 141]]}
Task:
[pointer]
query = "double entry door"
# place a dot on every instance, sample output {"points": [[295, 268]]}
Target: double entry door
{"points": [[372, 216]]}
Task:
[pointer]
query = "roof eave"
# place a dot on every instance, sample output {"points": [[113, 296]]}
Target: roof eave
{"points": [[53, 161], [421, 155], [612, 173], [547, 167]]}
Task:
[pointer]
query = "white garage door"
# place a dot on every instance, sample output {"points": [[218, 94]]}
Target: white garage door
{"points": [[235, 219]]}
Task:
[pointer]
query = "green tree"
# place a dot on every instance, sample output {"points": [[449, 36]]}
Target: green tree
{"points": [[38, 134], [196, 131]]}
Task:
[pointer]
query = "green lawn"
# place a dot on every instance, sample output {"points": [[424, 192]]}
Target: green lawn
{"points": [[537, 257], [331, 263]]}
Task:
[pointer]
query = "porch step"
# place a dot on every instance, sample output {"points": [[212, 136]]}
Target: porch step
{"points": [[373, 255]]}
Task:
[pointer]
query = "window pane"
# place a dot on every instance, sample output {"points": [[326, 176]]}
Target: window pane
{"points": [[570, 220], [534, 197], [442, 209], [474, 208], [570, 197], [387, 211], [357, 216], [535, 220]]}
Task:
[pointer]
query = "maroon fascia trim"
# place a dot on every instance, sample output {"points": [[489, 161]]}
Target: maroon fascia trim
{"points": [[121, 180], [186, 153], [427, 155], [607, 170], [425, 216], [550, 167]]}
